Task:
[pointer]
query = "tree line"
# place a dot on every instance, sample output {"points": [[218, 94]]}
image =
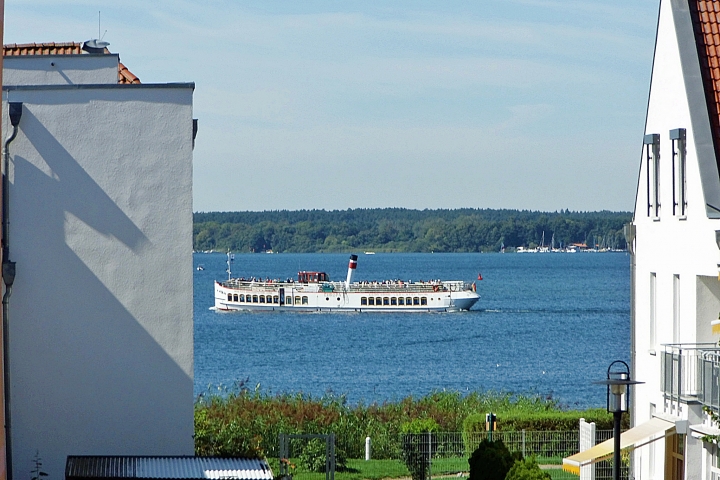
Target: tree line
{"points": [[405, 230]]}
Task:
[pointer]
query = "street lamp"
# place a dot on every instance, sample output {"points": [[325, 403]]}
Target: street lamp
{"points": [[618, 395]]}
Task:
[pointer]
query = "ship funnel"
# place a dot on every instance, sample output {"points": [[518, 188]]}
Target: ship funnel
{"points": [[351, 266]]}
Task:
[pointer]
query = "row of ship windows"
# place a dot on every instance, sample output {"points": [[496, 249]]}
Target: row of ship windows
{"points": [[393, 301], [234, 297], [364, 301]]}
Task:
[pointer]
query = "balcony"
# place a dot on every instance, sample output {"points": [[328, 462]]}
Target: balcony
{"points": [[690, 372]]}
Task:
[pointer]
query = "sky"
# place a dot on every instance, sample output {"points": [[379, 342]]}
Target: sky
{"points": [[520, 104]]}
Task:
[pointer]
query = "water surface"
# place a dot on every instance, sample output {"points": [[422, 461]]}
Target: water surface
{"points": [[545, 323]]}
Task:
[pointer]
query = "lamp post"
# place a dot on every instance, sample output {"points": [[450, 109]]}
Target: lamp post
{"points": [[617, 382]]}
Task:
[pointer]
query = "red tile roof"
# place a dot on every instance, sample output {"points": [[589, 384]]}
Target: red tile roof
{"points": [[68, 48], [706, 24]]}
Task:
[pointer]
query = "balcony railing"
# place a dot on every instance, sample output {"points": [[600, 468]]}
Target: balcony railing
{"points": [[691, 371]]}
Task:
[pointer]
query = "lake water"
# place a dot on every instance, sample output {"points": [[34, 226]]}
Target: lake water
{"points": [[546, 324]]}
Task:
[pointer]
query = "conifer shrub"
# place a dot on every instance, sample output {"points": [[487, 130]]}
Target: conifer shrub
{"points": [[527, 469], [491, 460]]}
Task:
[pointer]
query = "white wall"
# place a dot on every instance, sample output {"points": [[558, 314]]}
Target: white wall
{"points": [[61, 69], [681, 252], [670, 245], [101, 329]]}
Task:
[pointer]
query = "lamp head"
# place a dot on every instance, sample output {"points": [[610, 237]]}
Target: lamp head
{"points": [[617, 382]]}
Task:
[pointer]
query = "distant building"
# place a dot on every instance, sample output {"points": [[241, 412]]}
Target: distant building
{"points": [[100, 211]]}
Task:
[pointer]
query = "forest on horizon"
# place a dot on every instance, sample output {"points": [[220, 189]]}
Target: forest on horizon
{"points": [[404, 230]]}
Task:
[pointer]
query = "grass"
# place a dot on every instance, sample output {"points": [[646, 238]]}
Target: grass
{"points": [[559, 474], [359, 469]]}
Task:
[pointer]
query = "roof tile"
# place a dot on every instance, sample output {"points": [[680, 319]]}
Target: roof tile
{"points": [[706, 24], [125, 76]]}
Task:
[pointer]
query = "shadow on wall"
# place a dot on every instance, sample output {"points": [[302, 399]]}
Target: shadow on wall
{"points": [[86, 376]]}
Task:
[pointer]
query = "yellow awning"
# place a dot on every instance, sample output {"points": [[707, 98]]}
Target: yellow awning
{"points": [[635, 437]]}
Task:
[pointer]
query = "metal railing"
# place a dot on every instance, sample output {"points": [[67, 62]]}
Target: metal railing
{"points": [[691, 371], [709, 366]]}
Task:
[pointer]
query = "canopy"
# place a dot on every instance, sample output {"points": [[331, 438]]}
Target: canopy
{"points": [[635, 437]]}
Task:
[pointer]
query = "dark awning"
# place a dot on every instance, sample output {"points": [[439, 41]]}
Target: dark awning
{"points": [[165, 468]]}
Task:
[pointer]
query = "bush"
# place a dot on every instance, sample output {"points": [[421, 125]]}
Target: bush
{"points": [[312, 457], [239, 421], [418, 446], [420, 425], [491, 461], [551, 420], [527, 469], [215, 438], [536, 421]]}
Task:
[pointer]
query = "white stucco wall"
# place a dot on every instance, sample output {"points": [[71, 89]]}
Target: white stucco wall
{"points": [[101, 329], [669, 245], [681, 252], [61, 69]]}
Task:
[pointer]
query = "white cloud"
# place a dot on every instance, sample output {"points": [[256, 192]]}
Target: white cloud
{"points": [[458, 101]]}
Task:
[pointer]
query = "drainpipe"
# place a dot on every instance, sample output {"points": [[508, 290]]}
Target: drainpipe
{"points": [[630, 233], [8, 274]]}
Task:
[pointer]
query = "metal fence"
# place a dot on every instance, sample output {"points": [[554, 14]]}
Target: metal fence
{"points": [[427, 455], [448, 453]]}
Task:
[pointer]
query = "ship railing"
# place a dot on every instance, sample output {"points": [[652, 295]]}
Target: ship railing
{"points": [[417, 287], [249, 285], [457, 285], [395, 287]]}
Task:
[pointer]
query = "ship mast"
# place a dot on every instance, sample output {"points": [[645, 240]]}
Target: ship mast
{"points": [[230, 260]]}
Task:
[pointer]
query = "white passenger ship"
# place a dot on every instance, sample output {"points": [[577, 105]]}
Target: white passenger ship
{"points": [[314, 292]]}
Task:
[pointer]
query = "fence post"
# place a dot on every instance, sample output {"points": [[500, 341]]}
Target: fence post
{"points": [[429, 460], [331, 441], [587, 440], [283, 455], [523, 443], [367, 448]]}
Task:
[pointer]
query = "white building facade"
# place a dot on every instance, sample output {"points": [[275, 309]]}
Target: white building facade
{"points": [[676, 228], [100, 227]]}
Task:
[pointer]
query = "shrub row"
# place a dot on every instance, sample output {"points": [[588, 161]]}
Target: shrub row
{"points": [[550, 420], [247, 423]]}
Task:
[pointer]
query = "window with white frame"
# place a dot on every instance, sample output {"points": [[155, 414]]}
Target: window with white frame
{"points": [[679, 166], [652, 169], [714, 462], [653, 304], [676, 308]]}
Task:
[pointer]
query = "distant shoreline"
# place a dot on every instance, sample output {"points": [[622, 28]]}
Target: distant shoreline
{"points": [[397, 230]]}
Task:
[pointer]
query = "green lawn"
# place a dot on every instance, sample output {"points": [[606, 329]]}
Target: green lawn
{"points": [[359, 469]]}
